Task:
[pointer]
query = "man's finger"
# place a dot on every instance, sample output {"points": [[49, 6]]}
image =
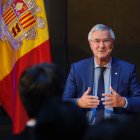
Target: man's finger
{"points": [[88, 91], [92, 97], [106, 95], [113, 91]]}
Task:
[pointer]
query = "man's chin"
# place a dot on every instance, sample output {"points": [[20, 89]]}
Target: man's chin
{"points": [[101, 56]]}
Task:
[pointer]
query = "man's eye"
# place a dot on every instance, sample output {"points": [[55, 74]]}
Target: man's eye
{"points": [[96, 41], [106, 40]]}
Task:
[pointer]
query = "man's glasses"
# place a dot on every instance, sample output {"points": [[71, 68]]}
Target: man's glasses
{"points": [[104, 41]]}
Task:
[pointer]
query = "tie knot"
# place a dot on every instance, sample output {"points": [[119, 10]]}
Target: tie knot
{"points": [[102, 69]]}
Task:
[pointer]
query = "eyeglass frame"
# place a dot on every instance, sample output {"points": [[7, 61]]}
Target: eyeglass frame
{"points": [[106, 41]]}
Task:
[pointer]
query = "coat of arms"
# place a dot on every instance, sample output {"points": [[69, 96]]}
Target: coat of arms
{"points": [[19, 21]]}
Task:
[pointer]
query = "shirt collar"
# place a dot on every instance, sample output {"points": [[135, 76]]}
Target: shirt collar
{"points": [[108, 65], [31, 123]]}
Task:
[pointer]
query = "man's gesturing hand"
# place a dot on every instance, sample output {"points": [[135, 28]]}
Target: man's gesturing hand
{"points": [[88, 101], [113, 99]]}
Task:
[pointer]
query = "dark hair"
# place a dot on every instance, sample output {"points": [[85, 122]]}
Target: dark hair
{"points": [[38, 84], [120, 127], [60, 120]]}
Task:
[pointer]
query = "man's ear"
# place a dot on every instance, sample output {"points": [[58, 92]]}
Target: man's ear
{"points": [[90, 44]]}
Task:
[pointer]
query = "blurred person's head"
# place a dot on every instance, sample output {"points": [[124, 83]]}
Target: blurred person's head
{"points": [[120, 127], [63, 121], [38, 84]]}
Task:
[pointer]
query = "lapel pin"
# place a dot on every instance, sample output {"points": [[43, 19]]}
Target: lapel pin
{"points": [[116, 73]]}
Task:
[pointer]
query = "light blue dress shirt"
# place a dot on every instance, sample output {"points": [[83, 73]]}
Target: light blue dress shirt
{"points": [[107, 81], [91, 115]]}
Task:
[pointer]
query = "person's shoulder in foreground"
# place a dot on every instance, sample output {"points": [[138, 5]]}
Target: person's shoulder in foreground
{"points": [[60, 120]]}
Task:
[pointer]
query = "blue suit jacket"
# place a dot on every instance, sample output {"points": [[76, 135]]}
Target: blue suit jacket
{"points": [[123, 81]]}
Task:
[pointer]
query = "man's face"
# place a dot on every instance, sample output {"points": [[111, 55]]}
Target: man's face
{"points": [[101, 44]]}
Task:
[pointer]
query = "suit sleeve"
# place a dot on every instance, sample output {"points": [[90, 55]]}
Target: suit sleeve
{"points": [[70, 92], [134, 99]]}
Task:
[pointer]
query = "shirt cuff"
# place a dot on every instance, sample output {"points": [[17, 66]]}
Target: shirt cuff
{"points": [[126, 103]]}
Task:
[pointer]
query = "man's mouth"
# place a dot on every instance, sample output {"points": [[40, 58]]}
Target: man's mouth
{"points": [[103, 51]]}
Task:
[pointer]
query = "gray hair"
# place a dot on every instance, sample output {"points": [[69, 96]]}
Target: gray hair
{"points": [[100, 27]]}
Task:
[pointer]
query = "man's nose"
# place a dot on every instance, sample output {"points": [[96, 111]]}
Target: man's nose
{"points": [[101, 44]]}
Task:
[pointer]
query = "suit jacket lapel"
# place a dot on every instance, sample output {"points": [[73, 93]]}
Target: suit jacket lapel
{"points": [[115, 72], [90, 74]]}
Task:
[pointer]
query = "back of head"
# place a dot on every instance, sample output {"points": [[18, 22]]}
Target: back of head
{"points": [[63, 121], [38, 84], [120, 127], [104, 130]]}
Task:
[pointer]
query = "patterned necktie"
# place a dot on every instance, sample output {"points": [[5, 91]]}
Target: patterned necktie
{"points": [[100, 90]]}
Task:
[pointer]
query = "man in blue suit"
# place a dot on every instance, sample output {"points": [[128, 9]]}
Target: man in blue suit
{"points": [[121, 93]]}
